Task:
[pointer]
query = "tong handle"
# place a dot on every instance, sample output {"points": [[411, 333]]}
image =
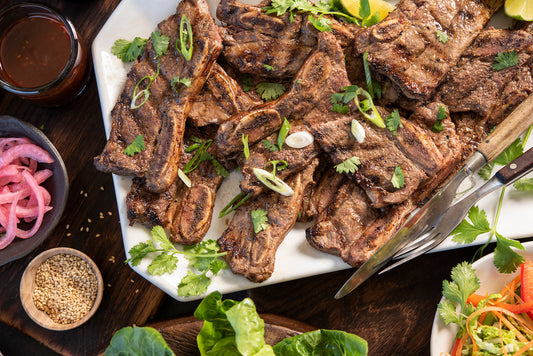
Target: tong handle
{"points": [[509, 130], [516, 169]]}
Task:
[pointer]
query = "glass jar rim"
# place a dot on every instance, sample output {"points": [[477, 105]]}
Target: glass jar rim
{"points": [[44, 10]]}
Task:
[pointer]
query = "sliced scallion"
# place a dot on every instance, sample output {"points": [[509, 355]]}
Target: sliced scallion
{"points": [[358, 131], [184, 44], [234, 204], [299, 139], [273, 182], [374, 116], [184, 178]]}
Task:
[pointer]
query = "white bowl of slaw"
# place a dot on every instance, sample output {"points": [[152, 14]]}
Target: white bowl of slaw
{"points": [[491, 281], [57, 185]]}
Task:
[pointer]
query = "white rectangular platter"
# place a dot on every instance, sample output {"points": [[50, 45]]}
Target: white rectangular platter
{"points": [[295, 258]]}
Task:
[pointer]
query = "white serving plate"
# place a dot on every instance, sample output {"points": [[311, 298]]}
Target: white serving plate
{"points": [[295, 257], [491, 281]]}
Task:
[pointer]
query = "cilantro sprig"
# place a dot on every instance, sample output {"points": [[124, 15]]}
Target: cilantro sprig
{"points": [[506, 259], [203, 257], [393, 122], [464, 282], [318, 9]]}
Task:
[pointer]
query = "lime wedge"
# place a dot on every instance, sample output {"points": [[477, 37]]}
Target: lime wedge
{"points": [[519, 9], [381, 6]]}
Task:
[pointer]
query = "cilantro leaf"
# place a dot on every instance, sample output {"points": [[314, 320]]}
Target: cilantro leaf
{"points": [[193, 284], [442, 37], [163, 263], [397, 179], [139, 251], [270, 91], [283, 131], [247, 82], [321, 23], [219, 168], [467, 232], [505, 259], [364, 9], [177, 80], [524, 184], [337, 98], [348, 166], [511, 153], [128, 51], [393, 122], [464, 282], [269, 145], [340, 108], [372, 20], [136, 146], [203, 256], [159, 235], [259, 219], [486, 171], [505, 60], [160, 43], [441, 115]]}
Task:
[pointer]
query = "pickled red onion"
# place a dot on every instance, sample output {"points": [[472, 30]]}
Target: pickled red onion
{"points": [[21, 196]]}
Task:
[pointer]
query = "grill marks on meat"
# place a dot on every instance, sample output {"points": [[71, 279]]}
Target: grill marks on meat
{"points": [[253, 255], [473, 85], [352, 228], [161, 120], [252, 39], [184, 212], [404, 46], [309, 98], [220, 98], [297, 160], [378, 156]]}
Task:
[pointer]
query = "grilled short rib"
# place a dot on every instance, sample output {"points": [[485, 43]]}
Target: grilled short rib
{"points": [[261, 157], [253, 254], [184, 212], [352, 229], [253, 39], [309, 98], [220, 98], [405, 46], [161, 120]]}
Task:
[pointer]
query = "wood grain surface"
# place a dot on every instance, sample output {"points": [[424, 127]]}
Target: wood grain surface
{"points": [[394, 312]]}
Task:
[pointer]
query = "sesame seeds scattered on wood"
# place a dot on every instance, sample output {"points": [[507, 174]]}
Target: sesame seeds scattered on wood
{"points": [[66, 288]]}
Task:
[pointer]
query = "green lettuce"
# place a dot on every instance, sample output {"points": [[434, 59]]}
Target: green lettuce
{"points": [[136, 341]]}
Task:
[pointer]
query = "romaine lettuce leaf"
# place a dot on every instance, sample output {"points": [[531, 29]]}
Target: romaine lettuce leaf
{"points": [[323, 342], [138, 341]]}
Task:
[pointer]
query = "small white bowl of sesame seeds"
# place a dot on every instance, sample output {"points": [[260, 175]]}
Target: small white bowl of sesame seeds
{"points": [[61, 288]]}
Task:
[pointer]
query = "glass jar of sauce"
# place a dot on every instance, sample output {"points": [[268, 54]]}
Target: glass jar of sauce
{"points": [[42, 58]]}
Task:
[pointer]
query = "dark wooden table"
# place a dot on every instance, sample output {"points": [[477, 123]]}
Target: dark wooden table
{"points": [[393, 312]]}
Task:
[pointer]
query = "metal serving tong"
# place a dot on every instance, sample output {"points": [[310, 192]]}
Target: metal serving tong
{"points": [[430, 225]]}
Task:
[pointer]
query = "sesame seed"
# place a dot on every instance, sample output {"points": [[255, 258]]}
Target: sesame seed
{"points": [[65, 289]]}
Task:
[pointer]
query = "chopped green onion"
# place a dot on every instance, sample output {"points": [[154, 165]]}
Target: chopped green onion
{"points": [[184, 44], [358, 131], [234, 204], [184, 178], [283, 131], [273, 182], [299, 139], [245, 145], [200, 156], [374, 117]]}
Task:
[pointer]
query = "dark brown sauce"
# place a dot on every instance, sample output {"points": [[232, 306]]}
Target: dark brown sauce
{"points": [[34, 51]]}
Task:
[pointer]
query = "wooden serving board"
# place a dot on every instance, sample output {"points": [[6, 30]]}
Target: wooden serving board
{"points": [[180, 334]]}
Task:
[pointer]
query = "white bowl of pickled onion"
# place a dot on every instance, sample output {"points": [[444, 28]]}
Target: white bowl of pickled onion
{"points": [[33, 175]]}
